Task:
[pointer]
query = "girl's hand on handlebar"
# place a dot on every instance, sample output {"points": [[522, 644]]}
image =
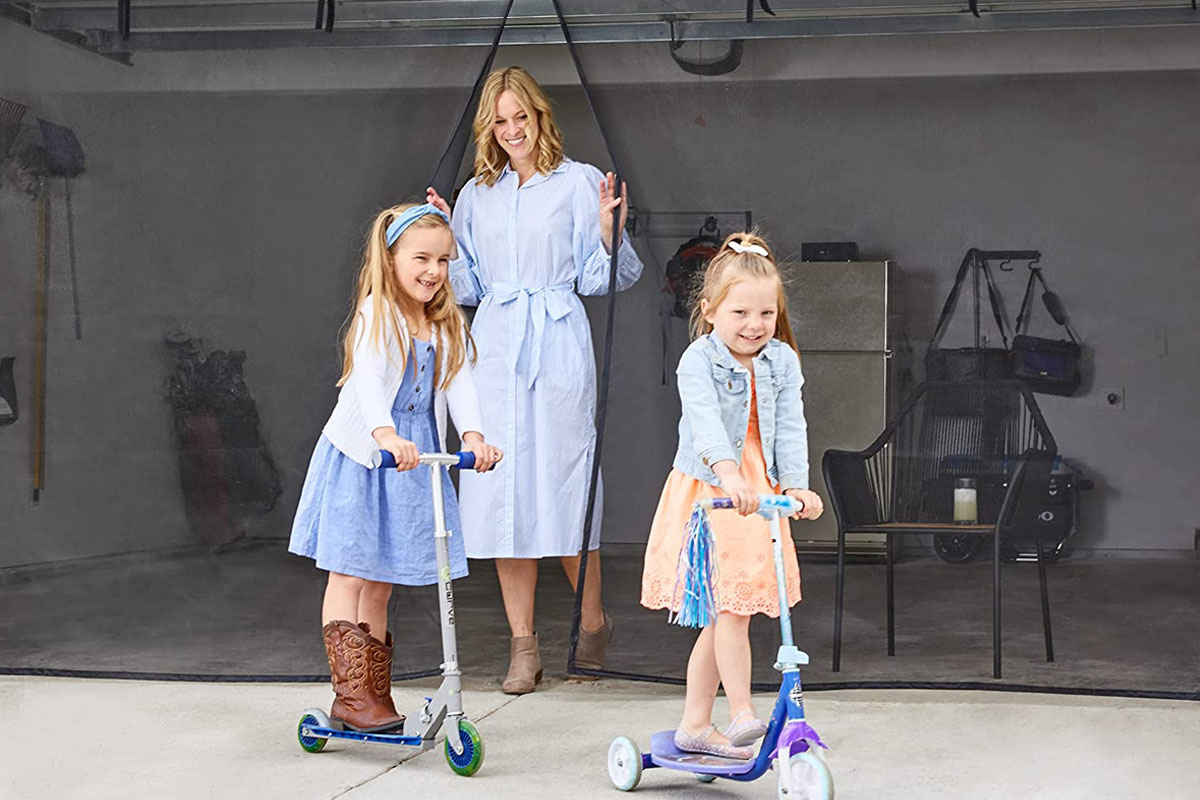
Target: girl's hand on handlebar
{"points": [[404, 451], [745, 499], [813, 507], [486, 455]]}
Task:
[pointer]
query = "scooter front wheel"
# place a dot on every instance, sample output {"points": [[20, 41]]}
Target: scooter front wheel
{"points": [[624, 763], [468, 762], [810, 778]]}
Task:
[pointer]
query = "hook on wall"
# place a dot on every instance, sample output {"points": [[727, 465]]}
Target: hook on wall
{"points": [[325, 14], [750, 9]]}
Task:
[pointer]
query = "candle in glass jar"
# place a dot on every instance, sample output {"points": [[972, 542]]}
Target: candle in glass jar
{"points": [[966, 507]]}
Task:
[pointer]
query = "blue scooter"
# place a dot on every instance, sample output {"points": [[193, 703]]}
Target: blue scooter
{"points": [[464, 746], [790, 745]]}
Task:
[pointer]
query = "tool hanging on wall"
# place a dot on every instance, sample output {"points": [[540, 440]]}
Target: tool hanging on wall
{"points": [[9, 412], [11, 115], [43, 151], [39, 333], [64, 159]]}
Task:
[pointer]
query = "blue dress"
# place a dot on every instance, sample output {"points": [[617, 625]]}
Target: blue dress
{"points": [[377, 523], [526, 251]]}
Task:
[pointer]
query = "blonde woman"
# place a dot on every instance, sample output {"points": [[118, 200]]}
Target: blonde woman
{"points": [[532, 231], [406, 361]]}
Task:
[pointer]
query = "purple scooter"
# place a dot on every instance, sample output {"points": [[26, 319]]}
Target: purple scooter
{"points": [[790, 745]]}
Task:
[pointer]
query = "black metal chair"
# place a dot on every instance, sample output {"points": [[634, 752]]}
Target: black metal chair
{"points": [[903, 484]]}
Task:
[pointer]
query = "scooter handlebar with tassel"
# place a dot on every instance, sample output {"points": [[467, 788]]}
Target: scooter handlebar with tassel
{"points": [[768, 504]]}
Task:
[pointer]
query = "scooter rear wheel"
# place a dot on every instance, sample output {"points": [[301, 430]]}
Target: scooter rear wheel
{"points": [[468, 762], [312, 719], [811, 778]]}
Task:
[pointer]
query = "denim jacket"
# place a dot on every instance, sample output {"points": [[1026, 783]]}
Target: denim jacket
{"points": [[715, 391]]}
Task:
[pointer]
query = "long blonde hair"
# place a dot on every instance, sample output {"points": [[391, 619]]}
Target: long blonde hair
{"points": [[729, 266], [490, 157], [377, 282]]}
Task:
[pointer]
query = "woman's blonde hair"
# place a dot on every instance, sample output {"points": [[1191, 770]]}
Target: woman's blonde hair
{"points": [[377, 281], [490, 157], [729, 266]]}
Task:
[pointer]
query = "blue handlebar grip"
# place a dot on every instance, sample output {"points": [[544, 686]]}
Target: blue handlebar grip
{"points": [[768, 504], [466, 460]]}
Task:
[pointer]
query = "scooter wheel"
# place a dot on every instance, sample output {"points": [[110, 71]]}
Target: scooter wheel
{"points": [[312, 719], [705, 778], [624, 763], [468, 762], [811, 778]]}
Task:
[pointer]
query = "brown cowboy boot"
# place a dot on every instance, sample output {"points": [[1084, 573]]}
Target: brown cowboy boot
{"points": [[591, 648], [380, 670], [525, 666], [355, 704]]}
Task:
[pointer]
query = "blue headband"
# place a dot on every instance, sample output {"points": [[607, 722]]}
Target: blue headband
{"points": [[400, 224]]}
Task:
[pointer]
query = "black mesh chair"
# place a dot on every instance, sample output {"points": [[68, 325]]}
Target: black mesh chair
{"points": [[903, 484]]}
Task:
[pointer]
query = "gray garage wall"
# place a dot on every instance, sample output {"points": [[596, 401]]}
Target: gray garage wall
{"points": [[238, 216]]}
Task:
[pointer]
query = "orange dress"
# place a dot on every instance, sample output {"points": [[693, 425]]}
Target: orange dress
{"points": [[745, 567]]}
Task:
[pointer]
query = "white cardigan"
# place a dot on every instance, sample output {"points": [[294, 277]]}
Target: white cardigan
{"points": [[365, 401]]}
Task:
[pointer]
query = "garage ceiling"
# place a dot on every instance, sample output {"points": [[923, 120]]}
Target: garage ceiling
{"points": [[157, 26]]}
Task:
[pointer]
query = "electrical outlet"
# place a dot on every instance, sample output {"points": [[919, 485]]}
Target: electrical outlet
{"points": [[1113, 397]]}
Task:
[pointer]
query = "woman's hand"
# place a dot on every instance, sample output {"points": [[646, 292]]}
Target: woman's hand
{"points": [[813, 507], [486, 455], [436, 200], [404, 451], [745, 499], [608, 202]]}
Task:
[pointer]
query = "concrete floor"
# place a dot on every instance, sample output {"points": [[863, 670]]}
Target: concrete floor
{"points": [[117, 739], [1118, 623]]}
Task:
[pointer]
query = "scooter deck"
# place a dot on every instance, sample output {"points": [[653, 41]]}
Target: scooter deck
{"points": [[322, 732], [664, 753]]}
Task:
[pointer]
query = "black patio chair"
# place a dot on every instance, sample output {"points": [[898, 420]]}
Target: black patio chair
{"points": [[903, 484]]}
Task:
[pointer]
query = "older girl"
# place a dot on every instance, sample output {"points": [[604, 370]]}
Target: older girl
{"points": [[406, 360]]}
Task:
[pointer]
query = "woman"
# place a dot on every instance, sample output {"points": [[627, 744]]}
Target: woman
{"points": [[533, 229]]}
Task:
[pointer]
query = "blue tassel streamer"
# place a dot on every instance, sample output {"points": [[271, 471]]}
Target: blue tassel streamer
{"points": [[696, 575]]}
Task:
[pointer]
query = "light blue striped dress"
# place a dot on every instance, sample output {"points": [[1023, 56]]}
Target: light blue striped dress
{"points": [[378, 523], [524, 252]]}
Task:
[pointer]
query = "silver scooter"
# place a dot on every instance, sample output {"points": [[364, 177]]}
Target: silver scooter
{"points": [[464, 746]]}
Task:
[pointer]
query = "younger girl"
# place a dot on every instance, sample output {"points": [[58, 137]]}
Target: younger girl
{"points": [[742, 433], [406, 360]]}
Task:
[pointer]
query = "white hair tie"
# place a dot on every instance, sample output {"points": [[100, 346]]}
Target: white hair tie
{"points": [[757, 249]]}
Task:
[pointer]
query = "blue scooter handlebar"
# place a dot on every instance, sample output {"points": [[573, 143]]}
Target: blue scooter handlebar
{"points": [[463, 459], [768, 504]]}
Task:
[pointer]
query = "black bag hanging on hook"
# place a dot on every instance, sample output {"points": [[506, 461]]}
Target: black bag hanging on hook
{"points": [[969, 363], [1049, 366], [8, 392]]}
